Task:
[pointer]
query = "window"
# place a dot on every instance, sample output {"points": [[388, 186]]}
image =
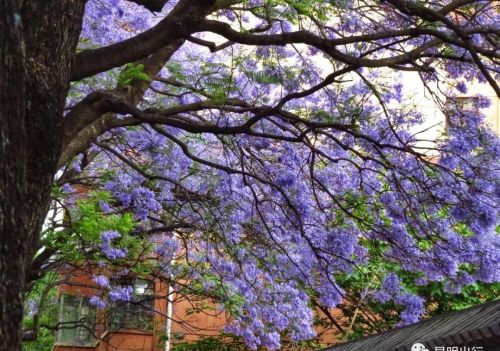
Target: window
{"points": [[467, 103], [458, 108], [76, 321], [136, 314]]}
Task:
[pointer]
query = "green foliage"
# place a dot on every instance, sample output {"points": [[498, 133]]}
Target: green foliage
{"points": [[132, 72], [441, 301], [367, 279], [220, 343], [75, 244], [438, 300], [90, 221], [86, 222], [42, 299], [233, 303], [175, 69], [296, 10], [44, 342], [324, 117]]}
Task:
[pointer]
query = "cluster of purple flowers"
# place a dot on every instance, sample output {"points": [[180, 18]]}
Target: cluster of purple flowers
{"points": [[276, 212], [107, 249], [98, 302], [101, 280], [121, 293]]}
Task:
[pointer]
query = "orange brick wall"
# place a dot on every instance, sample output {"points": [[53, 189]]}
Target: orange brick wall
{"points": [[188, 322]]}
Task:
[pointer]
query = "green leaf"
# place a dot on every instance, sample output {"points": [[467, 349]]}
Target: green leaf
{"points": [[132, 72]]}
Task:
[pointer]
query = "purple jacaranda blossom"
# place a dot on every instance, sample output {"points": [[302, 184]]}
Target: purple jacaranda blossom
{"points": [[271, 196], [101, 280], [97, 302], [121, 294]]}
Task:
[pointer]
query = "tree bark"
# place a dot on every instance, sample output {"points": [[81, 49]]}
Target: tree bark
{"points": [[51, 33], [13, 207], [37, 49], [38, 42], [180, 23]]}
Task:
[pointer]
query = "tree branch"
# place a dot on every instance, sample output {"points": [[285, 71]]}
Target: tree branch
{"points": [[151, 5], [178, 24]]}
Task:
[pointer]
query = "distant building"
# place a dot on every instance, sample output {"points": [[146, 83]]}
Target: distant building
{"points": [[136, 325]]}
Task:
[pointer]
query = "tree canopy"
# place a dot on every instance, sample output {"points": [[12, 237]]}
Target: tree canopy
{"points": [[265, 150]]}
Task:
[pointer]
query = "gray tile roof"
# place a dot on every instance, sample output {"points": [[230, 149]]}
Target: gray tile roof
{"points": [[471, 326]]}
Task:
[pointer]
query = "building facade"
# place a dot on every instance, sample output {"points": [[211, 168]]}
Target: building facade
{"points": [[147, 321]]}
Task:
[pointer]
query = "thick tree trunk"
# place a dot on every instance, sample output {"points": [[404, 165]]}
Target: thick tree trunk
{"points": [[38, 40], [37, 48], [13, 207], [51, 33]]}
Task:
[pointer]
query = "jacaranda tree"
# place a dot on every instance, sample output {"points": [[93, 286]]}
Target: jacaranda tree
{"points": [[267, 141]]}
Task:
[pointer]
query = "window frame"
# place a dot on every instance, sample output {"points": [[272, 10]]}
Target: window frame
{"points": [[134, 309], [459, 104], [79, 325]]}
